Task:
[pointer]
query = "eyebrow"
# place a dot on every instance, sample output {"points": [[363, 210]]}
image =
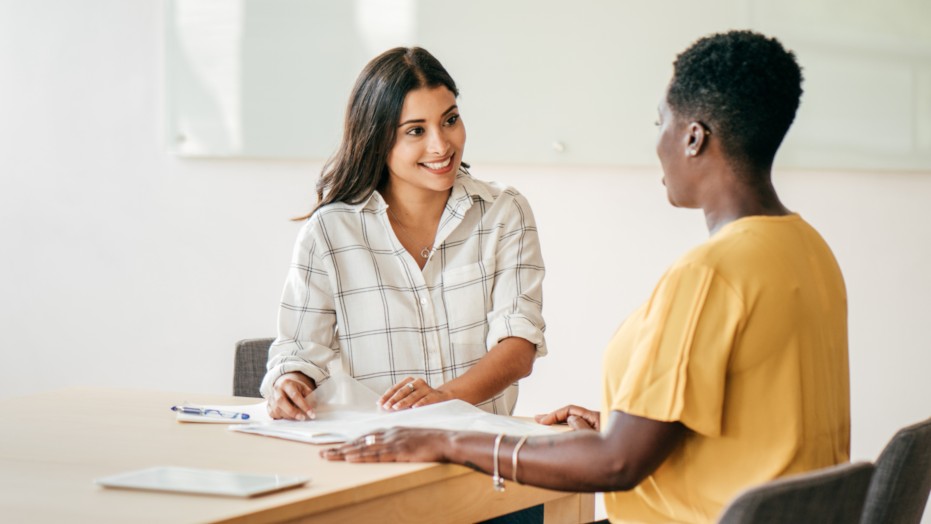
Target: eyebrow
{"points": [[421, 120]]}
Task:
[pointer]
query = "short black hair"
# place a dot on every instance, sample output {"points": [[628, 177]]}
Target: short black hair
{"points": [[744, 86]]}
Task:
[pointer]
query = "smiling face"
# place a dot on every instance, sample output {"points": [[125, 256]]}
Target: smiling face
{"points": [[429, 142]]}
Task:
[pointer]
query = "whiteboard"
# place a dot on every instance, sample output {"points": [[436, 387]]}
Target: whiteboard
{"points": [[541, 81]]}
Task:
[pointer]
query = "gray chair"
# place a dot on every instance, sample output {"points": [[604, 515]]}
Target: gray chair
{"points": [[899, 489], [249, 367], [830, 495]]}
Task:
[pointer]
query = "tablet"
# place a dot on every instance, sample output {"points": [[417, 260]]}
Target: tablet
{"points": [[201, 481]]}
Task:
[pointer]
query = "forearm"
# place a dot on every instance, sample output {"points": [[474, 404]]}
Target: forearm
{"points": [[306, 339], [507, 362], [613, 460], [577, 461]]}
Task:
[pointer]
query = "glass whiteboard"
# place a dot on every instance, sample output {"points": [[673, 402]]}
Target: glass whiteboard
{"points": [[541, 81]]}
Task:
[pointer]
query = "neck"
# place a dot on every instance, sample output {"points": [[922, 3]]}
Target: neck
{"points": [[734, 198], [415, 209]]}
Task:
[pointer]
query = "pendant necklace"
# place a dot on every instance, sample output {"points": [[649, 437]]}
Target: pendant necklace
{"points": [[425, 252]]}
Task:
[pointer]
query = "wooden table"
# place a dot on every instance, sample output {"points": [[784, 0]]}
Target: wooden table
{"points": [[53, 445]]}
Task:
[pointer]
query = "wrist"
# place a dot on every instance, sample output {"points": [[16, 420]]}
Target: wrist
{"points": [[449, 393], [296, 376], [453, 446]]}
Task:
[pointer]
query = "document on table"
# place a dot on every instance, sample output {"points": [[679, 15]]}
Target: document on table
{"points": [[338, 395], [333, 427], [346, 410]]}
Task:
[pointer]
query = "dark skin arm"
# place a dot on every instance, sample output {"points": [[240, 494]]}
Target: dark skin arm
{"points": [[583, 461]]}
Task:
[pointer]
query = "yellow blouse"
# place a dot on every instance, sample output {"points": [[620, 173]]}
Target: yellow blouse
{"points": [[744, 341]]}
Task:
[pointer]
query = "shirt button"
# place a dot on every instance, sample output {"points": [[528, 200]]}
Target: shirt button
{"points": [[423, 300]]}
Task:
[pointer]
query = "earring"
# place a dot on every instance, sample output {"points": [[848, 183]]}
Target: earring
{"points": [[691, 152]]}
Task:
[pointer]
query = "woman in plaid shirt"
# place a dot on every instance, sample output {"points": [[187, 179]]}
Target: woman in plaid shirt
{"points": [[423, 281]]}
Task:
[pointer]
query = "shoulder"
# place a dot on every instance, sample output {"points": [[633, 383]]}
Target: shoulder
{"points": [[753, 252], [346, 214], [760, 239], [336, 211], [493, 193], [333, 222]]}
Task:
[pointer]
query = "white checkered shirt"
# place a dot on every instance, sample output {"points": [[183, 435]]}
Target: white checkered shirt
{"points": [[354, 292]]}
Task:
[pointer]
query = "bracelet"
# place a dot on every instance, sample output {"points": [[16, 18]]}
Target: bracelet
{"points": [[514, 458], [497, 480]]}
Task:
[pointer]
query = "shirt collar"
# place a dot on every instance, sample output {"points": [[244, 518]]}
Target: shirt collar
{"points": [[467, 190]]}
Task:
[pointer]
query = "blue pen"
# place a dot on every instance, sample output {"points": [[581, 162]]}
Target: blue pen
{"points": [[189, 410]]}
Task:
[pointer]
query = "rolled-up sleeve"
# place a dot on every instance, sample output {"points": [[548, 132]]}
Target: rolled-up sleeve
{"points": [[517, 296], [306, 339]]}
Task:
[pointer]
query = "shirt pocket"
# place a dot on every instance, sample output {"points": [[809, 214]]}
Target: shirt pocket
{"points": [[467, 294]]}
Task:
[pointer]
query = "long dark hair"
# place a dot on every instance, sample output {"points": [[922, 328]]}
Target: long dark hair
{"points": [[360, 165]]}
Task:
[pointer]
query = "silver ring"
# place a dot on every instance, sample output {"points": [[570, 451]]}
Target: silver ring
{"points": [[369, 440], [411, 386]]}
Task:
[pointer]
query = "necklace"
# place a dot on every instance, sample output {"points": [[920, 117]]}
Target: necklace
{"points": [[426, 251]]}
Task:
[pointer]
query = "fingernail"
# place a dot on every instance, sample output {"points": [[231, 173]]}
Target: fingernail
{"points": [[311, 415], [300, 416]]}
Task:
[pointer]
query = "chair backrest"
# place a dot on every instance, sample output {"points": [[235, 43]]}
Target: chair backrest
{"points": [[249, 367], [899, 489], [830, 495]]}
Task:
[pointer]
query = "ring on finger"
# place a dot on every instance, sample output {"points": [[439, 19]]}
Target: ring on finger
{"points": [[369, 440], [410, 385]]}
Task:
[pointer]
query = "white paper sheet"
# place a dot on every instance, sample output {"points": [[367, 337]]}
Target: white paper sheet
{"points": [[331, 427], [339, 395], [346, 409]]}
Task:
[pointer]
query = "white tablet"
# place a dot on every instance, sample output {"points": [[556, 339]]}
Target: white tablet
{"points": [[201, 481]]}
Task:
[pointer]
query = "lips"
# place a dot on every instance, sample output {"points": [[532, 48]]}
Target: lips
{"points": [[438, 165]]}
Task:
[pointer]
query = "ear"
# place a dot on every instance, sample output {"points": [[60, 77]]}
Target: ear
{"points": [[697, 136]]}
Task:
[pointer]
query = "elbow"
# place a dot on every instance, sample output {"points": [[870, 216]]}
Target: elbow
{"points": [[527, 368], [622, 475], [518, 356]]}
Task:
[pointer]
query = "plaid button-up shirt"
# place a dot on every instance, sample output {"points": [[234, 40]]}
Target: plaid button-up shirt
{"points": [[354, 293]]}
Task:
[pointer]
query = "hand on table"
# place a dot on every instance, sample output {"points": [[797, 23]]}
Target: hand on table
{"points": [[292, 397], [575, 416], [412, 393], [394, 445]]}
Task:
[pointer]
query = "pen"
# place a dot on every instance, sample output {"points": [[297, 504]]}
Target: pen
{"points": [[189, 410]]}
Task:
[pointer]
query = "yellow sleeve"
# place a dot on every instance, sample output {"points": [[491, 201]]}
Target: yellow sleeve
{"points": [[680, 344]]}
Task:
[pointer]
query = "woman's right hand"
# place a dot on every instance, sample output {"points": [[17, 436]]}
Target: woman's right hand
{"points": [[290, 397], [576, 417]]}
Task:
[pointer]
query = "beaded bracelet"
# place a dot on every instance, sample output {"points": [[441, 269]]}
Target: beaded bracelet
{"points": [[497, 480]]}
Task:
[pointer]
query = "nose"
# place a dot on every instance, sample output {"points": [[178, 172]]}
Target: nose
{"points": [[438, 143]]}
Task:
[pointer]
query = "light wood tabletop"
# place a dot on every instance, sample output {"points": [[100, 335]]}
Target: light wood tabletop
{"points": [[54, 444]]}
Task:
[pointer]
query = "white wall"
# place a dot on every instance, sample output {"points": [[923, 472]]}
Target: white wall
{"points": [[123, 266]]}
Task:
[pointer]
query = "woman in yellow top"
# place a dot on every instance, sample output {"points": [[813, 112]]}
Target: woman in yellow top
{"points": [[735, 371]]}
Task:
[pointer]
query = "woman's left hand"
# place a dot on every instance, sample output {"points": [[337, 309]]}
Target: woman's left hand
{"points": [[412, 393], [577, 418], [394, 445]]}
